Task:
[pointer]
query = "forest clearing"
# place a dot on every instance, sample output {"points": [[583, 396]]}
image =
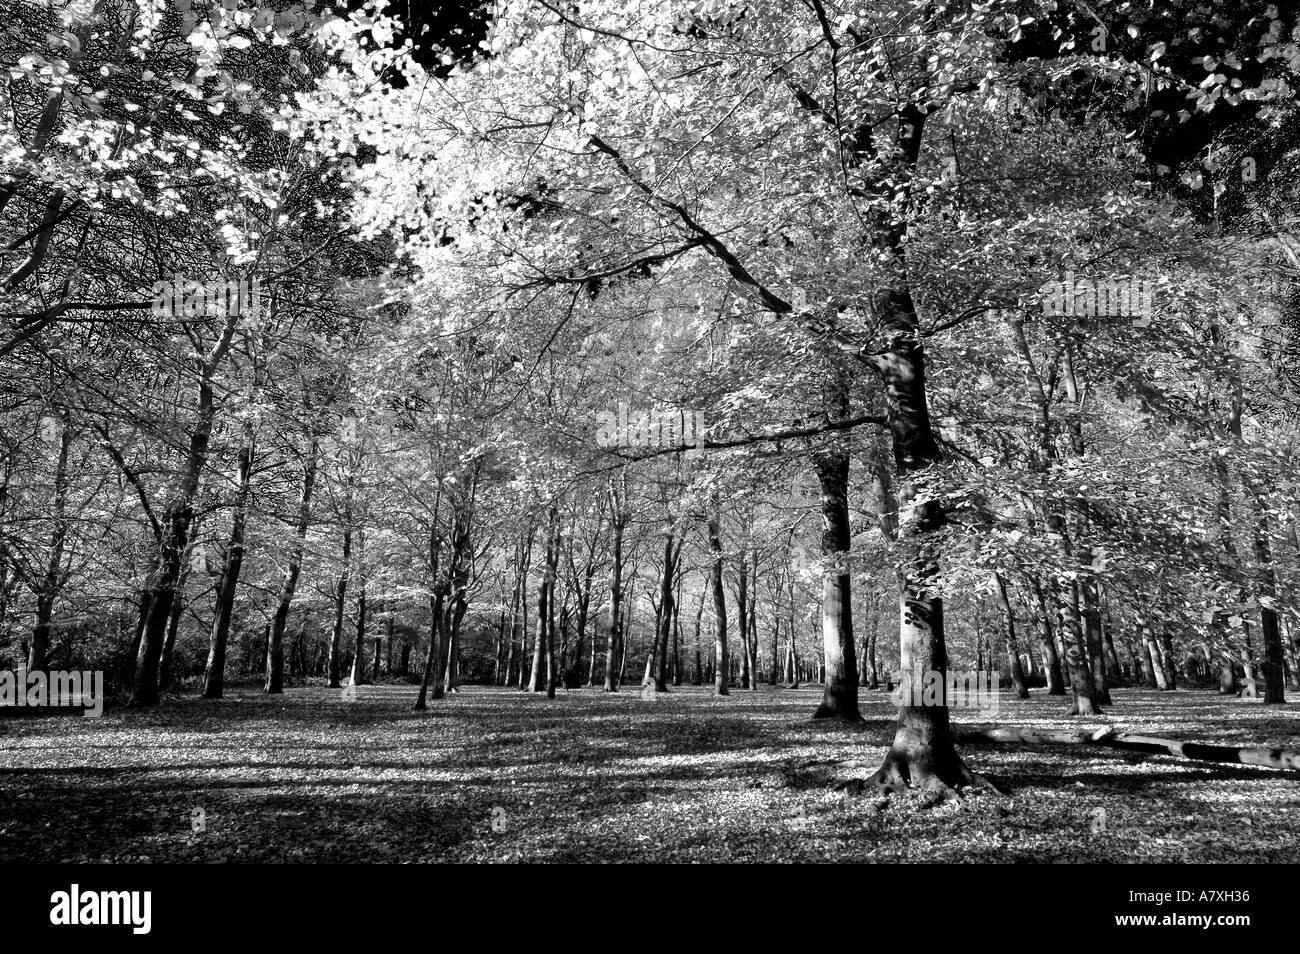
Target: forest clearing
{"points": [[593, 777]]}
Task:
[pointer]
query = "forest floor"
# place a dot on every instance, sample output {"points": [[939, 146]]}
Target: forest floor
{"points": [[497, 775]]}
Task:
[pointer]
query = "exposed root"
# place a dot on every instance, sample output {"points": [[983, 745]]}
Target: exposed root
{"points": [[1083, 706], [825, 712], [899, 775]]}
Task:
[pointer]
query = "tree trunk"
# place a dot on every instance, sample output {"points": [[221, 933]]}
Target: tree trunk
{"points": [[437, 595], [792, 652], [289, 584], [1112, 657], [1009, 636], [1266, 584], [543, 665], [615, 638], [1092, 629], [922, 753], [722, 664], [1082, 687], [214, 676], [38, 651], [434, 658], [840, 697], [451, 675], [166, 675], [358, 676], [698, 675], [666, 608], [752, 639], [340, 604], [1159, 677], [174, 527]]}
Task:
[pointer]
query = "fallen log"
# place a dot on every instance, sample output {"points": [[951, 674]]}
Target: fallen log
{"points": [[1110, 739]]}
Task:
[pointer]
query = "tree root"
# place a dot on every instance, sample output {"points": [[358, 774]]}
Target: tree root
{"points": [[901, 775], [828, 713], [1082, 706]]}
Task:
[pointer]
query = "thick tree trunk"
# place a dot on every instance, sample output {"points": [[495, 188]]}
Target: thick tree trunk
{"points": [[922, 753], [1266, 584], [840, 698]]}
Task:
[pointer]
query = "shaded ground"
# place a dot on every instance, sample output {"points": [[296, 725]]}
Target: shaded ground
{"points": [[497, 775]]}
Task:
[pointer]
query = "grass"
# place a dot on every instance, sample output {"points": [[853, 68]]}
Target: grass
{"points": [[496, 775]]}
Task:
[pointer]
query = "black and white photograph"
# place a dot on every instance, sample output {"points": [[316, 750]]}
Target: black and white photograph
{"points": [[649, 432]]}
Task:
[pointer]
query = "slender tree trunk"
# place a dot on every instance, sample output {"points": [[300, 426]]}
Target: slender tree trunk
{"points": [[437, 594], [697, 676], [522, 676], [215, 674], [1084, 690], [1112, 657], [792, 652], [166, 677], [677, 627], [722, 670], [38, 651], [359, 650], [340, 605], [1092, 628], [1009, 636], [289, 584], [752, 639], [613, 644], [666, 610], [1167, 660], [774, 672], [174, 527], [434, 658], [1159, 678], [543, 665], [451, 676]]}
